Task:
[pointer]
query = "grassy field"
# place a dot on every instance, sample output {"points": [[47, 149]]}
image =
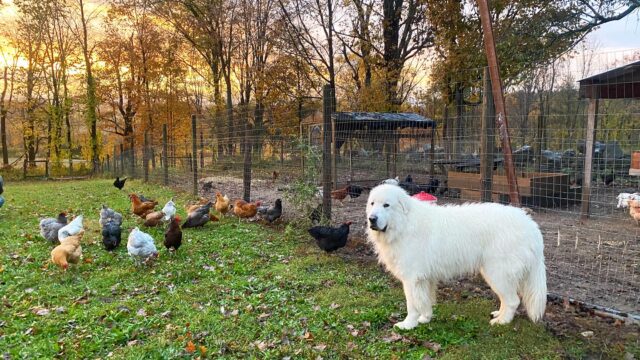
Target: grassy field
{"points": [[234, 290]]}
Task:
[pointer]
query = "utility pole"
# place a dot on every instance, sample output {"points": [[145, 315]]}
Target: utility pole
{"points": [[498, 99]]}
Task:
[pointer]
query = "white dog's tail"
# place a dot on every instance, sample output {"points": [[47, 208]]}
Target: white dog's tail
{"points": [[534, 294]]}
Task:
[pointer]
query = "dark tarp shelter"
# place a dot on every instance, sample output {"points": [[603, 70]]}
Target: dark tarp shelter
{"points": [[620, 83]]}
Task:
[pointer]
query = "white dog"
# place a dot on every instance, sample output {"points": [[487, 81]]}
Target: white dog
{"points": [[423, 244], [623, 199]]}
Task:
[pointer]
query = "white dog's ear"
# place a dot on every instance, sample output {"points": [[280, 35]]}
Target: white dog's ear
{"points": [[403, 205]]}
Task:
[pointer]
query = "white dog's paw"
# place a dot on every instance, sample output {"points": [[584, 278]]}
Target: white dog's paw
{"points": [[499, 321], [423, 319], [406, 325], [495, 314]]}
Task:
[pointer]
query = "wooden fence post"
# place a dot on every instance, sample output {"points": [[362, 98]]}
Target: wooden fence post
{"points": [[121, 159], [194, 153], [487, 141], [165, 155], [592, 118], [145, 156], [327, 97]]}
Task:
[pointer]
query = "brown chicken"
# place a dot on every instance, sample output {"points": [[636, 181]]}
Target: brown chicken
{"points": [[245, 210], [153, 218], [141, 208], [634, 210], [69, 251], [173, 235], [275, 175], [222, 203], [340, 194], [193, 207]]}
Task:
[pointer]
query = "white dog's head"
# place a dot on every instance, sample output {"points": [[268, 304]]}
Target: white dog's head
{"points": [[386, 203]]}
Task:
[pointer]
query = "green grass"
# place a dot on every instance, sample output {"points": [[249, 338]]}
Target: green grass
{"points": [[233, 291]]}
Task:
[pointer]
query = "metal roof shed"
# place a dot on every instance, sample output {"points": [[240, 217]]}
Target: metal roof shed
{"points": [[620, 83]]}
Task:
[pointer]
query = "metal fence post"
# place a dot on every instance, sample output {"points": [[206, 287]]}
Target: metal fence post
{"points": [[165, 155], [201, 149], [194, 153], [145, 156], [326, 153]]}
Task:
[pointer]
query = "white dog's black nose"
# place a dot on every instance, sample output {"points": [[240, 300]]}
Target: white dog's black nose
{"points": [[373, 220]]}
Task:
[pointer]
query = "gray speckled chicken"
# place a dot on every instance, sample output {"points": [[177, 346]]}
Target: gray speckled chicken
{"points": [[49, 227], [108, 215]]}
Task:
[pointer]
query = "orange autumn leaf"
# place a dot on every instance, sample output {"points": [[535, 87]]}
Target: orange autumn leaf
{"points": [[190, 348], [203, 350]]}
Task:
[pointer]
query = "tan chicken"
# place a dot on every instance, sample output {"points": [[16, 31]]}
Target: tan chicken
{"points": [[68, 252], [153, 218], [245, 210], [634, 210], [222, 203], [141, 208]]}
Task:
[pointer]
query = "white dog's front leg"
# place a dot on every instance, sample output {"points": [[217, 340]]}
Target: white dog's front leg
{"points": [[411, 320], [418, 296]]}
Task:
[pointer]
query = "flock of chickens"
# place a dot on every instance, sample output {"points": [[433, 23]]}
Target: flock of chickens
{"points": [[141, 246]]}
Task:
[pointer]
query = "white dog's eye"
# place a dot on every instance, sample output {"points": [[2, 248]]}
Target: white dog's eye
{"points": [[386, 205], [372, 203]]}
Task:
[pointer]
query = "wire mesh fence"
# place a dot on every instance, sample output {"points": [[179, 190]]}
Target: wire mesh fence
{"points": [[576, 152]]}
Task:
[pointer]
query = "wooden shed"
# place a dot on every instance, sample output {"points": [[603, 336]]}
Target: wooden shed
{"points": [[620, 83]]}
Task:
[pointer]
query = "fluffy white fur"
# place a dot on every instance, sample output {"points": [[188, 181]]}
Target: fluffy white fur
{"points": [[423, 244], [623, 199]]}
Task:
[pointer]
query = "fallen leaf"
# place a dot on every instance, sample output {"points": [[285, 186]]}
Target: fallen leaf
{"points": [[431, 345], [263, 316], [392, 338], [587, 334], [261, 345], [41, 311], [203, 350], [308, 336], [141, 312], [234, 312], [320, 347], [190, 348], [87, 260], [132, 343], [334, 306], [166, 314], [316, 308]]}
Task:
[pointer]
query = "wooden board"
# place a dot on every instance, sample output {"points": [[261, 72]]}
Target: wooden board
{"points": [[531, 185]]}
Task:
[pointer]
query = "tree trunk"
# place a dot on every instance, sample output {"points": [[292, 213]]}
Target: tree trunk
{"points": [[91, 115]]}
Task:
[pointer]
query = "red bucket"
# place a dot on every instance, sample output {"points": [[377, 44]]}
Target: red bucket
{"points": [[426, 197]]}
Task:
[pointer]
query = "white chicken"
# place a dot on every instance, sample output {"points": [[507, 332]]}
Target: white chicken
{"points": [[169, 210], [71, 228], [141, 246]]}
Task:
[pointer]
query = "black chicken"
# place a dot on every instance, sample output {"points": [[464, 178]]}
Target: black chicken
{"points": [[410, 187], [607, 178], [1, 185], [408, 179], [354, 191], [432, 186], [119, 183], [274, 212], [173, 235], [111, 235], [329, 238], [198, 217]]}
